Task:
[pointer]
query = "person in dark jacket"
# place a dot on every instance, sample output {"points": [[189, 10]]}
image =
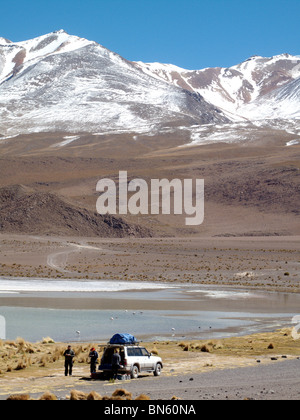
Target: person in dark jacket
{"points": [[94, 357], [115, 363], [69, 360]]}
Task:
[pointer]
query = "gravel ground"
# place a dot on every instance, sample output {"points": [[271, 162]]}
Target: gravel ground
{"points": [[280, 381]]}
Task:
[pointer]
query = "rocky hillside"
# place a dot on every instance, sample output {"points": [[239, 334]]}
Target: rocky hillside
{"points": [[25, 211]]}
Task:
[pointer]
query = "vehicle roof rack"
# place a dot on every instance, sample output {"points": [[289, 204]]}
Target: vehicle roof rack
{"points": [[123, 344]]}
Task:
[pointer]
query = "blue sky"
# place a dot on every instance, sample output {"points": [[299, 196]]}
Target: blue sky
{"points": [[189, 33]]}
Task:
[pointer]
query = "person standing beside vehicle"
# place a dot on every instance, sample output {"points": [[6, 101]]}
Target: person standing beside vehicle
{"points": [[94, 357], [115, 363], [69, 360]]}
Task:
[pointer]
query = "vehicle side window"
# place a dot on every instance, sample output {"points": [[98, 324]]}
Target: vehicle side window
{"points": [[145, 352], [135, 352], [130, 352]]}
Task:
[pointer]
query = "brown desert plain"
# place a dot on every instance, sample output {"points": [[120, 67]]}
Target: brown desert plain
{"points": [[49, 228]]}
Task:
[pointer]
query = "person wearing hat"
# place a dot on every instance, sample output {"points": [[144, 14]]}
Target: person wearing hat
{"points": [[69, 360], [94, 357]]}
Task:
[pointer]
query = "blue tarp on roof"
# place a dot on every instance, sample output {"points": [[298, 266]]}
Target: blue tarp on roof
{"points": [[123, 339]]}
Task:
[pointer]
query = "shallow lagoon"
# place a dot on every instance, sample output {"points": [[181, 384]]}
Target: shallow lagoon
{"points": [[36, 308]]}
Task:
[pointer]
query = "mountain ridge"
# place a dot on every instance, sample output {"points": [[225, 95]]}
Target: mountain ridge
{"points": [[61, 82], [232, 89]]}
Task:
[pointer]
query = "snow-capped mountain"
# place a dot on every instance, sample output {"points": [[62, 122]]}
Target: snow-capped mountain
{"points": [[59, 82], [282, 102], [17, 57], [258, 88]]}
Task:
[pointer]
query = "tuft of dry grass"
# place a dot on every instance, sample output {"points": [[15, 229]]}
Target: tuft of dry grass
{"points": [[107, 398], [82, 358], [21, 344], [122, 393], [19, 397], [48, 396], [143, 397], [11, 344], [47, 340], [205, 348], [21, 365], [44, 360], [94, 396], [77, 395]]}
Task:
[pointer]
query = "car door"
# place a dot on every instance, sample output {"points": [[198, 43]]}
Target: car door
{"points": [[131, 359], [135, 357], [146, 359], [138, 356]]}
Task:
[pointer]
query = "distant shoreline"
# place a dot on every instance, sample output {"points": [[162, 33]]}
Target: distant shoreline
{"points": [[196, 311]]}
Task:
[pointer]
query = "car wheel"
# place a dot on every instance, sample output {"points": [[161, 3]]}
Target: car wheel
{"points": [[157, 371], [135, 372]]}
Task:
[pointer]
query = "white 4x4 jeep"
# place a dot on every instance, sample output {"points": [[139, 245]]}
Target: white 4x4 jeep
{"points": [[134, 360]]}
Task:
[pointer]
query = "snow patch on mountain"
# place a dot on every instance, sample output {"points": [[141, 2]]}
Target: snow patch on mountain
{"points": [[293, 143], [258, 88], [18, 56], [283, 102], [67, 140], [59, 82], [242, 131]]}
